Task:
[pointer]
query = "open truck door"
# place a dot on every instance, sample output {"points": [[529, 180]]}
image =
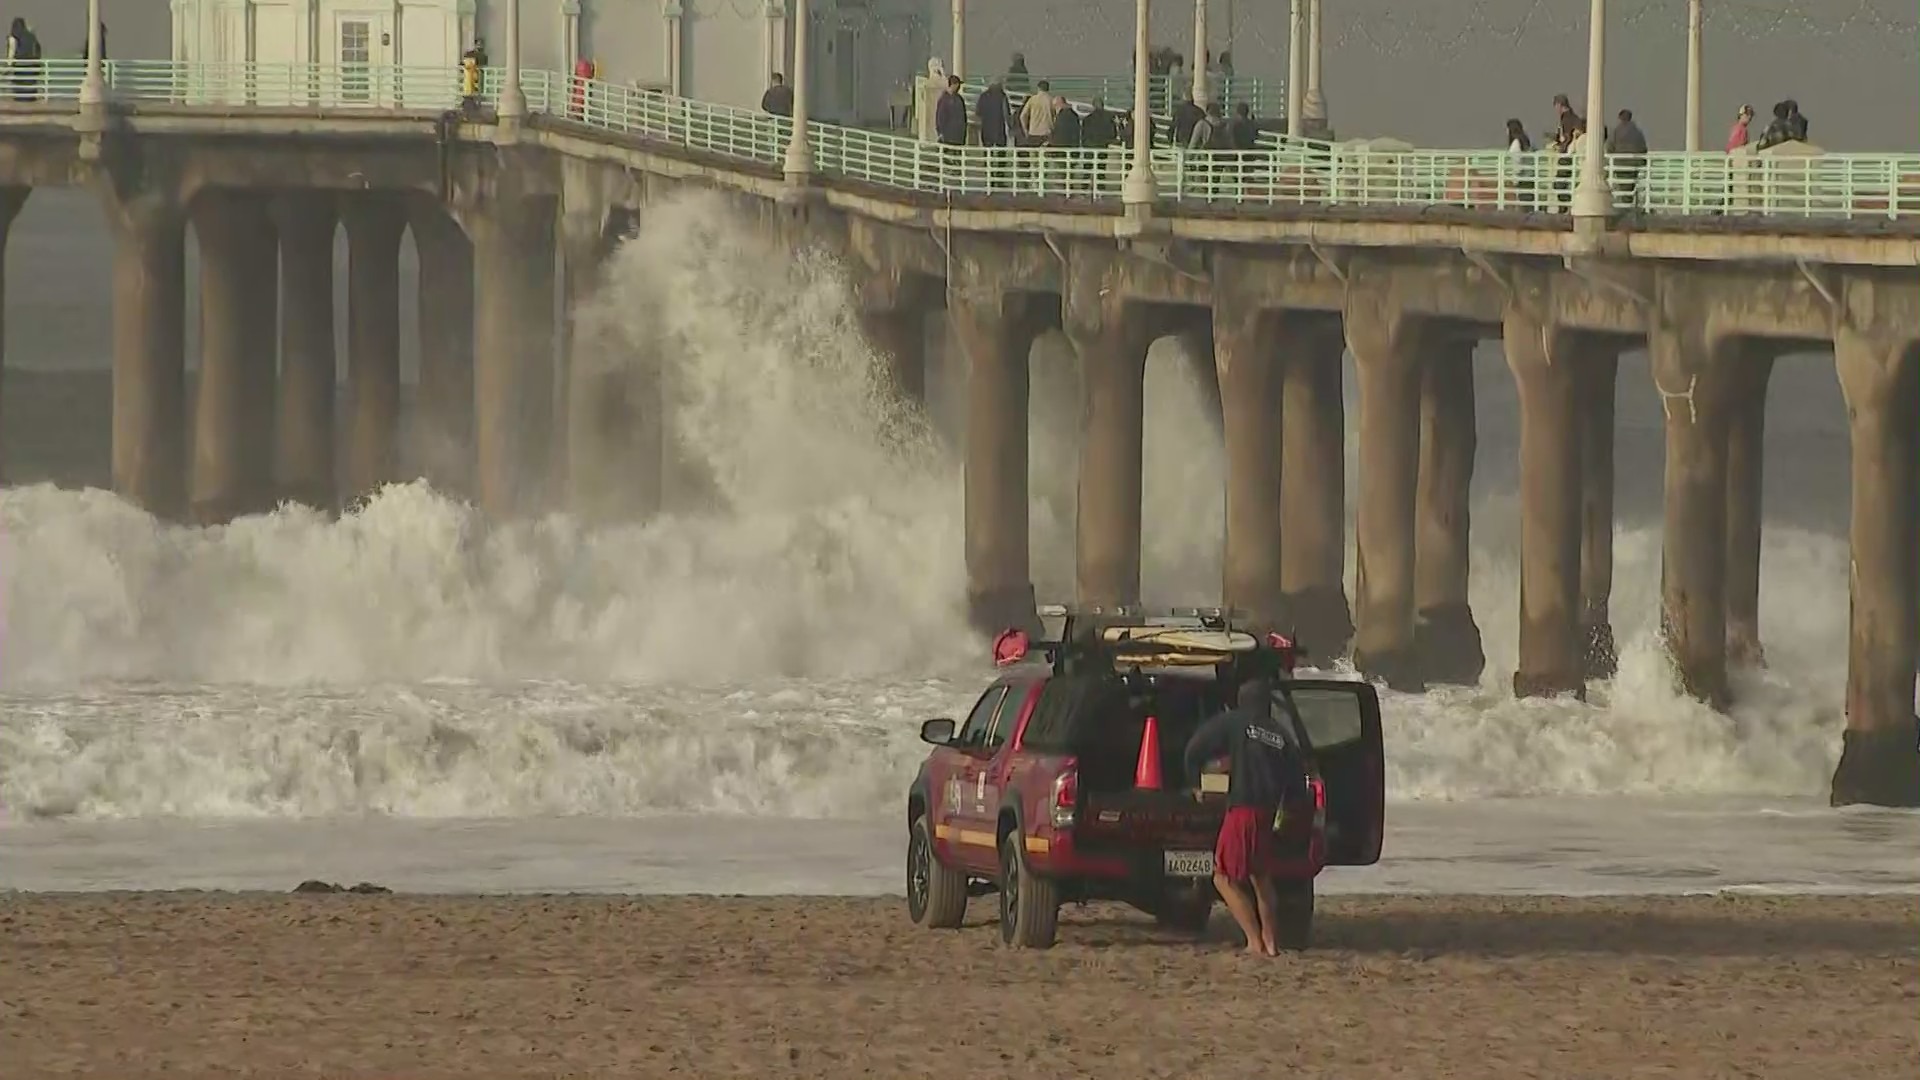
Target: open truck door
{"points": [[1341, 723]]}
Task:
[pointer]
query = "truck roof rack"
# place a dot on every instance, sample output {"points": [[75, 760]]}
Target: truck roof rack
{"points": [[1139, 611]]}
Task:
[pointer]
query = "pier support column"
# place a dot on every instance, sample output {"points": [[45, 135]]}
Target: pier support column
{"points": [[1197, 346], [613, 423], [1596, 381], [309, 377], [995, 331], [1313, 484], [1690, 373], [375, 225], [11, 200], [513, 351], [1246, 354], [1445, 636], [233, 445], [1746, 435], [1544, 362], [149, 353], [899, 335], [1387, 348], [442, 424], [1880, 756], [1112, 338]]}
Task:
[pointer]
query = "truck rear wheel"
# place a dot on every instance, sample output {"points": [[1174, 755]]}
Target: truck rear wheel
{"points": [[1294, 914], [936, 893], [1029, 904], [1186, 907]]}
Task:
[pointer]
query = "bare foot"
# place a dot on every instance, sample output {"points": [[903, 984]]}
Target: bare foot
{"points": [[1256, 948], [1268, 947]]}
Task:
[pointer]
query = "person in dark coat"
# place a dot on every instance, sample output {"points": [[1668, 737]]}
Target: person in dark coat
{"points": [[1242, 132], [778, 100], [1629, 144], [1186, 116], [995, 114], [950, 115], [1100, 128], [1796, 121], [1264, 768]]}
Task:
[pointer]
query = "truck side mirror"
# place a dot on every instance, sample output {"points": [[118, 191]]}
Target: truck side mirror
{"points": [[938, 732]]}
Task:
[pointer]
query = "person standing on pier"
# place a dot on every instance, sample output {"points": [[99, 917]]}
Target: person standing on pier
{"points": [[778, 100], [1740, 134]]}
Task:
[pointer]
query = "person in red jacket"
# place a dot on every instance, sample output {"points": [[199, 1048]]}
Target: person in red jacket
{"points": [[584, 71]]}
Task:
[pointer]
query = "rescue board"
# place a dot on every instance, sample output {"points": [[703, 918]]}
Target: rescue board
{"points": [[1182, 639]]}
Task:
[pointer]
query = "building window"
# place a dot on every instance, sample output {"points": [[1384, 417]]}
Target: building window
{"points": [[356, 53]]}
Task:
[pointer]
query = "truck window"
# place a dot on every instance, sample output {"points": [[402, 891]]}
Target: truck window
{"points": [[1006, 717], [974, 734], [1331, 718]]}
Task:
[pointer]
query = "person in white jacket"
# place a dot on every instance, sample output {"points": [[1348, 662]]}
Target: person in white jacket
{"points": [[1036, 116]]}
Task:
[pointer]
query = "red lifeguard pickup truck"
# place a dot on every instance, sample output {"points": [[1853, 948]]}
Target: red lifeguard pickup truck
{"points": [[1065, 784]]}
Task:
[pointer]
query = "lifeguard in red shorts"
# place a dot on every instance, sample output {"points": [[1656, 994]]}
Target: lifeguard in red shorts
{"points": [[1263, 765]]}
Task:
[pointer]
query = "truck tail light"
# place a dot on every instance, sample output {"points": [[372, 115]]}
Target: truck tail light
{"points": [[1317, 845], [1066, 791]]}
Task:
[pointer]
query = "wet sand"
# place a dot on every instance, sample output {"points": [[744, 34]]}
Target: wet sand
{"points": [[212, 985]]}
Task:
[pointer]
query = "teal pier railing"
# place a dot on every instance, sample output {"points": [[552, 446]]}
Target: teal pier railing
{"points": [[1283, 172]]}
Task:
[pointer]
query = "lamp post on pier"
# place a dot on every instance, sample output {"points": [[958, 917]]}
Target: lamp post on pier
{"points": [[1694, 17], [93, 87], [1202, 89], [512, 106], [1592, 198], [1139, 189], [799, 160]]}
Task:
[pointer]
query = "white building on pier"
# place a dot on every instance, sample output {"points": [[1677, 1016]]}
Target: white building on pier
{"points": [[864, 52]]}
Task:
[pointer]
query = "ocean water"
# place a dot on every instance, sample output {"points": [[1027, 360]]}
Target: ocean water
{"points": [[726, 699]]}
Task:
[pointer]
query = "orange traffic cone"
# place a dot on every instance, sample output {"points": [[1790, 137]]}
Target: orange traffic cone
{"points": [[1146, 773]]}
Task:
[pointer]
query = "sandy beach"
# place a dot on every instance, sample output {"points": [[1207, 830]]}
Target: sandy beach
{"points": [[203, 984]]}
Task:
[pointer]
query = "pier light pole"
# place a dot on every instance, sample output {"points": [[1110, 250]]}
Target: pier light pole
{"points": [[513, 98], [1313, 105], [1591, 197], [1202, 90], [1296, 55], [799, 162], [1694, 16], [1140, 189], [93, 88], [959, 39]]}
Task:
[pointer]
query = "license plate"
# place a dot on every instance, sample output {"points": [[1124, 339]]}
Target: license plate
{"points": [[1189, 863]]}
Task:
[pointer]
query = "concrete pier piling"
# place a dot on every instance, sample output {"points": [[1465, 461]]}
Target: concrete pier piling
{"points": [[304, 445], [443, 420], [149, 352], [1596, 386], [1112, 338], [1746, 436], [1313, 484], [1690, 371], [995, 331], [1544, 360], [899, 335], [1445, 636], [1388, 346], [513, 351], [1880, 754], [12, 199], [1246, 353], [233, 439], [375, 226]]}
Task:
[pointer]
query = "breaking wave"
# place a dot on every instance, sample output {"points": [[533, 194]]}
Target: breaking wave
{"points": [[768, 653]]}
